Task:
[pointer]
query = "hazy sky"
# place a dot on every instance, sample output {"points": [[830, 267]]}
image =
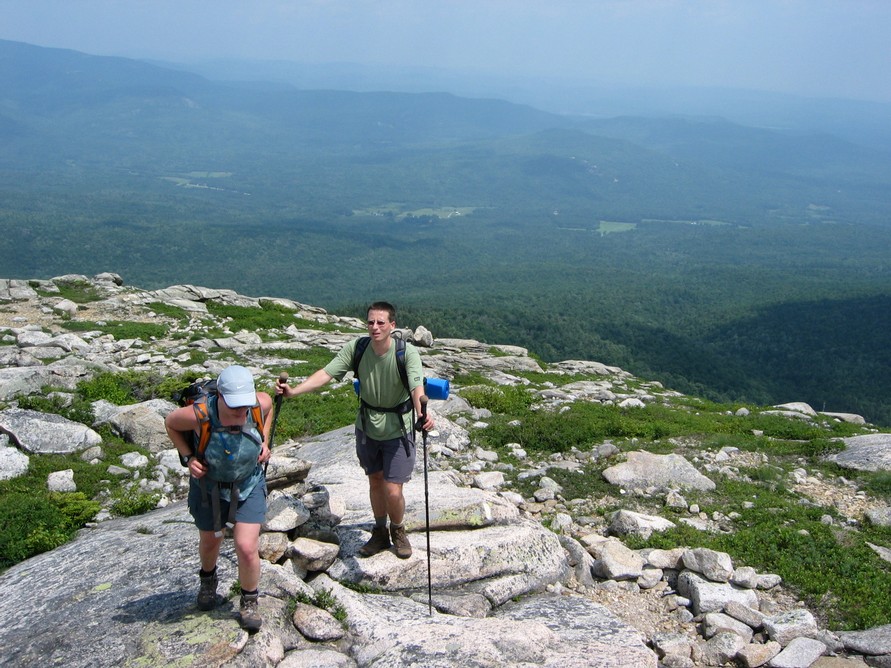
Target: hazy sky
{"points": [[811, 47]]}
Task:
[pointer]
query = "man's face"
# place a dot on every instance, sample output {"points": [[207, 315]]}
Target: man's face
{"points": [[379, 325]]}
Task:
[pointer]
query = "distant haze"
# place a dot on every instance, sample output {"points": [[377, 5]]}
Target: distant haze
{"points": [[817, 48]]}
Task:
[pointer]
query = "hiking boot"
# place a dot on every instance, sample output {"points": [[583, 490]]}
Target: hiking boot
{"points": [[250, 612], [400, 541], [207, 592], [378, 542]]}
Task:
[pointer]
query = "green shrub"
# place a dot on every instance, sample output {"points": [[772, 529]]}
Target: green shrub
{"points": [[75, 506], [34, 521], [128, 503], [763, 474], [581, 425], [508, 399], [124, 388]]}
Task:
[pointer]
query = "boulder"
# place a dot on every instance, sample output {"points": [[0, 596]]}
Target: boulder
{"points": [[642, 470], [46, 433]]}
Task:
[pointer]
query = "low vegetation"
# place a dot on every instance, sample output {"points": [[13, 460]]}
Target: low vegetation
{"points": [[323, 599], [773, 528]]}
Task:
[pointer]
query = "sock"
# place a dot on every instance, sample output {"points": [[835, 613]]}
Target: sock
{"points": [[250, 593], [206, 574], [393, 525], [380, 522]]}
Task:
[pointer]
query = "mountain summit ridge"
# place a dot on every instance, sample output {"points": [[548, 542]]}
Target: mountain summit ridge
{"points": [[571, 594]]}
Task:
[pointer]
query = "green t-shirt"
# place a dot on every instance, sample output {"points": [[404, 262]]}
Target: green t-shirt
{"points": [[381, 386]]}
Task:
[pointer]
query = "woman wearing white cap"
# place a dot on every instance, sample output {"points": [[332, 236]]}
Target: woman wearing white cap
{"points": [[227, 482]]}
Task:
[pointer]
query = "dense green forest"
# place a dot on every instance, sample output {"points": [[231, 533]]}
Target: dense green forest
{"points": [[729, 261]]}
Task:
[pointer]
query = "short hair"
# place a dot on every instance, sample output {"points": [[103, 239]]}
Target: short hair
{"points": [[384, 306]]}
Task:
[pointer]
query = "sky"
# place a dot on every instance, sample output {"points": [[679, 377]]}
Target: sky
{"points": [[815, 48]]}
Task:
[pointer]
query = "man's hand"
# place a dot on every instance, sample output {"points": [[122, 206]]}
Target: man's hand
{"points": [[421, 425], [282, 388]]}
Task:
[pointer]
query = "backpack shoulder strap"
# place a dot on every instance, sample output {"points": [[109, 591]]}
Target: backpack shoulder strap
{"points": [[204, 426], [257, 415], [359, 350], [400, 363], [362, 345]]}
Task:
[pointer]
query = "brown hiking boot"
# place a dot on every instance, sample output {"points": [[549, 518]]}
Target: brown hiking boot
{"points": [[250, 612], [400, 541], [378, 542], [207, 592]]}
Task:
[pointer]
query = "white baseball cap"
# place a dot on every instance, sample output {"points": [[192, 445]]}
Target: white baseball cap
{"points": [[236, 386]]}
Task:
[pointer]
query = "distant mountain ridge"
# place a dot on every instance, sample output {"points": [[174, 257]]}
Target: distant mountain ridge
{"points": [[642, 241], [864, 122]]}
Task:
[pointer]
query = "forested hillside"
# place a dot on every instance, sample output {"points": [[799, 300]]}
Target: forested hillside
{"points": [[730, 261]]}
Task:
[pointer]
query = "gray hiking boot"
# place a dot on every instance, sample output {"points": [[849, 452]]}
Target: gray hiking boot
{"points": [[250, 612], [378, 542], [207, 592], [400, 541]]}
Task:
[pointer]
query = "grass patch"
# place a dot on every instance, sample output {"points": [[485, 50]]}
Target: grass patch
{"points": [[582, 424], [268, 316], [323, 599], [362, 587], [586, 482], [611, 227], [80, 292], [166, 310], [878, 483], [311, 359], [830, 568], [121, 329], [316, 413]]}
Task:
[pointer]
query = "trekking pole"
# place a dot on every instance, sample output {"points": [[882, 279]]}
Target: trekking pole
{"points": [[282, 378], [426, 505]]}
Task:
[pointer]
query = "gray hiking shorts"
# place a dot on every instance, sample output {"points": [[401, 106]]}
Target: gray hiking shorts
{"points": [[250, 511], [395, 457]]}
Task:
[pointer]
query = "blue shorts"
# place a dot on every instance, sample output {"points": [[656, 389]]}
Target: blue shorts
{"points": [[250, 511], [395, 457]]}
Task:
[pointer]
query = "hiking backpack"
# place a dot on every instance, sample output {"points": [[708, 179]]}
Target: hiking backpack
{"points": [[196, 395], [362, 345], [400, 409], [227, 469]]}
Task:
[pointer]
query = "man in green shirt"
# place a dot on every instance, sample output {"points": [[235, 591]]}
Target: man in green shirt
{"points": [[384, 432]]}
